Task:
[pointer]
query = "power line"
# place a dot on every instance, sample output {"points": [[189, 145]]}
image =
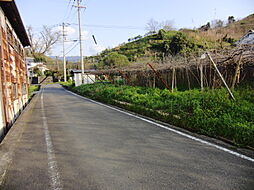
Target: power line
{"points": [[72, 48], [73, 43], [112, 26], [69, 14], [67, 9]]}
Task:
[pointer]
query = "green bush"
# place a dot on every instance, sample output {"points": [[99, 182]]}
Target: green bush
{"points": [[114, 60], [181, 44]]}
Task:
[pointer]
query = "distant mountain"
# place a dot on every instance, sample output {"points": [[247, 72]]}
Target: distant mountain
{"points": [[68, 58]]}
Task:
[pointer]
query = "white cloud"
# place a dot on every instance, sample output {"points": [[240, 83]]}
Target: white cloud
{"points": [[85, 35], [68, 30], [95, 49]]}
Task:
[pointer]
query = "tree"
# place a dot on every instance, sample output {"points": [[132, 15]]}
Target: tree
{"points": [[153, 26], [37, 71], [205, 27], [180, 43], [44, 41], [231, 19], [134, 38], [167, 25], [217, 23], [114, 60], [39, 59], [49, 73]]}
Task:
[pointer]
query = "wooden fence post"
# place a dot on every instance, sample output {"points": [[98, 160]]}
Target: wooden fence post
{"points": [[224, 82], [173, 80], [237, 72], [159, 76], [201, 77]]}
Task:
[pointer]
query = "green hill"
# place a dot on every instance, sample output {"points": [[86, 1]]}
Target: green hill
{"points": [[183, 42]]}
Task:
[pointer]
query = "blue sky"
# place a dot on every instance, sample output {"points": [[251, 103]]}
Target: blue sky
{"points": [[114, 21]]}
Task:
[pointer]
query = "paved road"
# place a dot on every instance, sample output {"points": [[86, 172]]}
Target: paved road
{"points": [[71, 143]]}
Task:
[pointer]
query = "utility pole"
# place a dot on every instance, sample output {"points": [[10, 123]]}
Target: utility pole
{"points": [[80, 40], [64, 59], [57, 69]]}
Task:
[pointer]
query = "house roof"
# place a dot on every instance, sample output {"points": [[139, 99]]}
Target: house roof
{"points": [[11, 12], [247, 38]]}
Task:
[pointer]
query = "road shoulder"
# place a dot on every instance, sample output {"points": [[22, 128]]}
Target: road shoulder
{"points": [[9, 143]]}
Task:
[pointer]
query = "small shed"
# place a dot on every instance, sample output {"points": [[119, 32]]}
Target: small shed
{"points": [[88, 77]]}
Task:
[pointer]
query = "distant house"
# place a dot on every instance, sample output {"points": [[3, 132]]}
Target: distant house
{"points": [[247, 39], [31, 65], [13, 72]]}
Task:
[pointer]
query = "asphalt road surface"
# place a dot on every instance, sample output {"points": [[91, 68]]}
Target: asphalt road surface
{"points": [[72, 143]]}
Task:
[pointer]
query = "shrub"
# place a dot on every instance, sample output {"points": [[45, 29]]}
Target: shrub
{"points": [[114, 60]]}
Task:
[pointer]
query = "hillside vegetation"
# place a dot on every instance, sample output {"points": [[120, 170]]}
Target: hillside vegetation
{"points": [[183, 42]]}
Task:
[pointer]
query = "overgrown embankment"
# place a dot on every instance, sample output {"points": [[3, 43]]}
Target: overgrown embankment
{"points": [[210, 112]]}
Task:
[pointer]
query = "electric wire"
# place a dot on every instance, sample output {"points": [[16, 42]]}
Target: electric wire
{"points": [[112, 26], [72, 48], [67, 9]]}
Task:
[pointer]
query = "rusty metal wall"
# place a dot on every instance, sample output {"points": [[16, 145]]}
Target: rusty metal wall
{"points": [[13, 81]]}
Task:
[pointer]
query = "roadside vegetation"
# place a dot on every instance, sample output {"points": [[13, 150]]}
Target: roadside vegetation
{"points": [[32, 89], [210, 112]]}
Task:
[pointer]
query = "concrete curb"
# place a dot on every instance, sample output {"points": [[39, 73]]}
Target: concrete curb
{"points": [[12, 138]]}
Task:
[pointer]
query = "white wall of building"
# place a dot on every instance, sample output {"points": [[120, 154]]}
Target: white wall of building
{"points": [[88, 79]]}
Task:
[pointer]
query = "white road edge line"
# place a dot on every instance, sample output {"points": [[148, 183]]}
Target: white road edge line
{"points": [[56, 183], [170, 129]]}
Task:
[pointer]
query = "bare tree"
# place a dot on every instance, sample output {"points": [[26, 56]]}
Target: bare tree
{"points": [[43, 42], [167, 25], [217, 23], [153, 25]]}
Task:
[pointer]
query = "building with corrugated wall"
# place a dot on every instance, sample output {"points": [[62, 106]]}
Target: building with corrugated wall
{"points": [[13, 72]]}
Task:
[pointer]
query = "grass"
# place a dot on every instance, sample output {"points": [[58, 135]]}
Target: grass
{"points": [[32, 89], [211, 112]]}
